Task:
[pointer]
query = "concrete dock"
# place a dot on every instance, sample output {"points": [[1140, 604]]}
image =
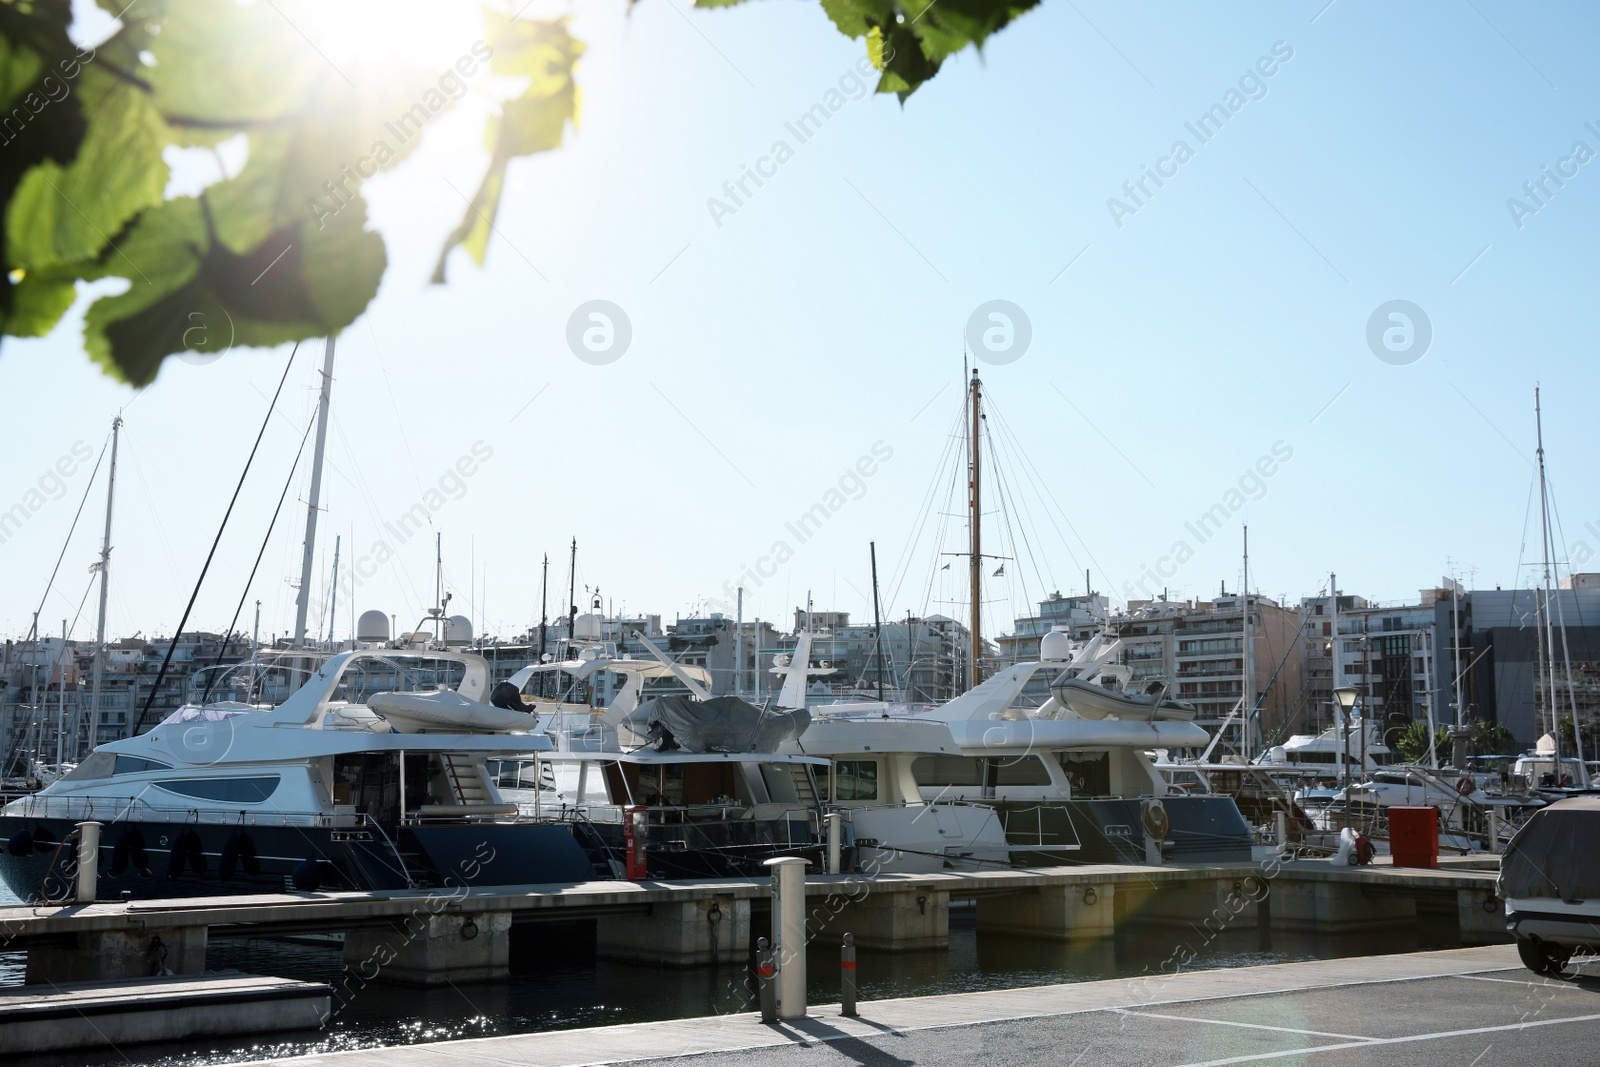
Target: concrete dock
{"points": [[460, 935], [55, 1018], [1469, 1007]]}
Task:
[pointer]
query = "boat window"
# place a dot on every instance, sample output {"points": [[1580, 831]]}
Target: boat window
{"points": [[1018, 770], [226, 790], [95, 765], [136, 764], [1089, 772], [855, 780], [947, 770]]}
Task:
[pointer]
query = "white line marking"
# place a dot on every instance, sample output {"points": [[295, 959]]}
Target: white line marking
{"points": [[1248, 1026], [1439, 1036]]}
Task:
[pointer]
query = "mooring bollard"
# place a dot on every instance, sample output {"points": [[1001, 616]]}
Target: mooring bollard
{"points": [[765, 981], [88, 860], [847, 977], [1280, 829], [1494, 829], [835, 821], [789, 924]]}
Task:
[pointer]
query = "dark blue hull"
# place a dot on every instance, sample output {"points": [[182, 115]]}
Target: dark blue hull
{"points": [[150, 860]]}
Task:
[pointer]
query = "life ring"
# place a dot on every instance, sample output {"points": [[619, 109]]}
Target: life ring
{"points": [[1156, 822], [1467, 786]]}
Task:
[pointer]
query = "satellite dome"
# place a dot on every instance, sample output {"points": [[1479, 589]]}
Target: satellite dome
{"points": [[457, 631], [1055, 646], [586, 627], [373, 628]]}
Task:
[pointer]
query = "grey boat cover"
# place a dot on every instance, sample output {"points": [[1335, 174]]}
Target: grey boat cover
{"points": [[721, 724], [1557, 854]]}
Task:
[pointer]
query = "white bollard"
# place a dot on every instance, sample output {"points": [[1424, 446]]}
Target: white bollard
{"points": [[789, 933], [88, 860], [1494, 829], [1280, 820], [835, 821]]}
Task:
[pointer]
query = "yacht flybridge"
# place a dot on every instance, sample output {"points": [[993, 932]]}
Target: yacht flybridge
{"points": [[323, 792]]}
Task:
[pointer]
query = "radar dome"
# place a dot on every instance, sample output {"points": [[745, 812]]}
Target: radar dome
{"points": [[457, 631], [1055, 646], [373, 628], [586, 627]]}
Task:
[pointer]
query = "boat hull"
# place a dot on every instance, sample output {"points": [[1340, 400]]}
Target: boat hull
{"points": [[1201, 829], [225, 859]]}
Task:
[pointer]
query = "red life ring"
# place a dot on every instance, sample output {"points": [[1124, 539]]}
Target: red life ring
{"points": [[1467, 786]]}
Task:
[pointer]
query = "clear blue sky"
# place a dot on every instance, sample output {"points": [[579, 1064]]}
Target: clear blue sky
{"points": [[1227, 314]]}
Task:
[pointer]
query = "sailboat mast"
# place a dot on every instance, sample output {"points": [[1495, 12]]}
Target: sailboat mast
{"points": [[1247, 690], [974, 469], [1547, 632], [544, 607], [333, 592], [572, 593], [877, 618], [105, 565], [303, 602], [61, 696]]}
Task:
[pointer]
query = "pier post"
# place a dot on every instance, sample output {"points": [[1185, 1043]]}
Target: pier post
{"points": [[688, 933], [835, 821], [433, 948], [789, 923], [1059, 913], [847, 977], [88, 860]]}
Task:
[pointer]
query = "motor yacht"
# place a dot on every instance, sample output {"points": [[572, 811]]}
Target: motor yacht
{"points": [[326, 791]]}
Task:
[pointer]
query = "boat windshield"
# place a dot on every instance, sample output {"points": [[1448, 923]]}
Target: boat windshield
{"points": [[204, 713]]}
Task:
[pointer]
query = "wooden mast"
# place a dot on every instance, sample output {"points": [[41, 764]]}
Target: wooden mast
{"points": [[973, 502]]}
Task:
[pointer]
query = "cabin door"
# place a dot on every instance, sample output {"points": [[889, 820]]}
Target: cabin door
{"points": [[370, 783]]}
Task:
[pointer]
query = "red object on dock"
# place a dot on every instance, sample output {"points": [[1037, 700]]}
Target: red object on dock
{"points": [[1414, 836], [635, 825]]}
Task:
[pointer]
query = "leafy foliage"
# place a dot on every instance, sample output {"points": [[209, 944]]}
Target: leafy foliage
{"points": [[277, 252], [280, 251], [1486, 738], [908, 41], [1413, 743]]}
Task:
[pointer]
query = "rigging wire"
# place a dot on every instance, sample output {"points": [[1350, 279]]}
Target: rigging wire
{"points": [[919, 523], [1044, 489], [227, 639], [173, 647], [33, 632], [1027, 516]]}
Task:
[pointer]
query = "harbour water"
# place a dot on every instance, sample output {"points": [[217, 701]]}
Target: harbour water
{"points": [[557, 983]]}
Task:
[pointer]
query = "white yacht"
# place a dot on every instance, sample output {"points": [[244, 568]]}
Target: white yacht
{"points": [[690, 810], [1064, 788], [329, 790]]}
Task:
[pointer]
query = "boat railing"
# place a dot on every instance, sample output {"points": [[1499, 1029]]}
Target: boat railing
{"points": [[111, 810]]}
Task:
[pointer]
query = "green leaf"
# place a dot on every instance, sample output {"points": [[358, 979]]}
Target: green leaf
{"points": [[909, 41], [190, 292], [20, 67], [546, 54], [66, 214], [37, 303]]}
